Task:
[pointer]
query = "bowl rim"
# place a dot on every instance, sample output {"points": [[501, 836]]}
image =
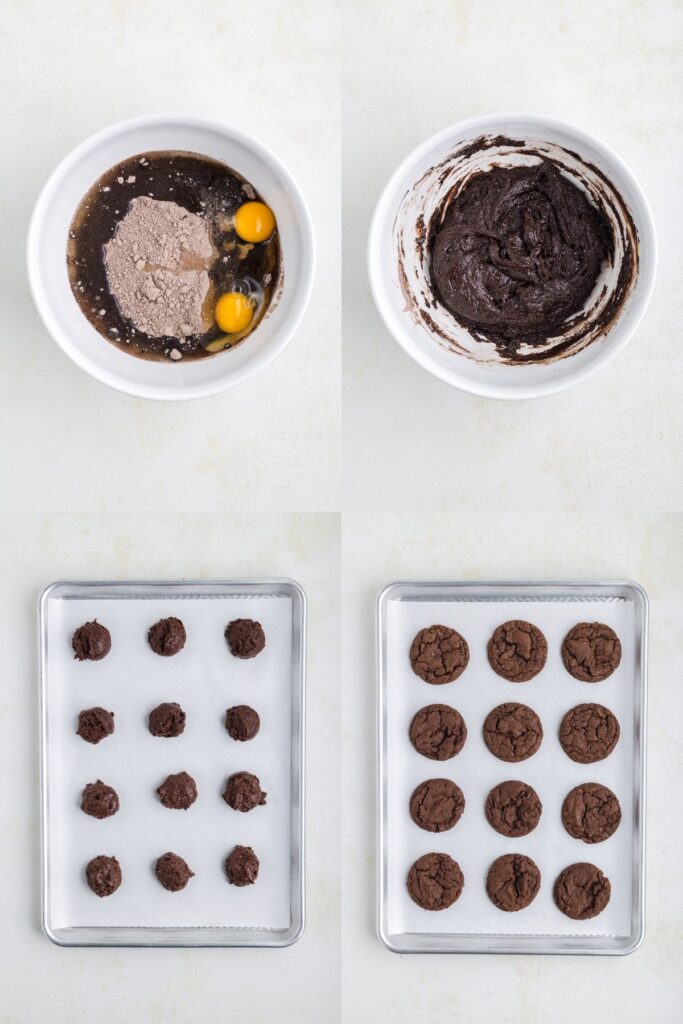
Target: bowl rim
{"points": [[159, 391], [375, 258]]}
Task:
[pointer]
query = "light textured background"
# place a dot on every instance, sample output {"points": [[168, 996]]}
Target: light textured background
{"points": [[442, 485], [94, 484]]}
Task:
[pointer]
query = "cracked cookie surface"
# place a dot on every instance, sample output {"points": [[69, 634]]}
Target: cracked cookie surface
{"points": [[437, 805], [513, 732], [438, 731], [435, 881], [591, 812], [513, 808], [582, 891], [517, 651], [439, 654], [589, 733], [512, 882], [591, 651]]}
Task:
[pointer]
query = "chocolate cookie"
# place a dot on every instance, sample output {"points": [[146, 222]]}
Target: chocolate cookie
{"points": [[439, 655], [513, 732], [242, 722], [438, 731], [91, 642], [241, 866], [588, 733], [94, 724], [582, 891], [173, 872], [513, 809], [167, 637], [99, 800], [591, 651], [591, 812], [103, 875], [435, 881], [437, 805], [517, 651], [245, 638], [178, 791], [243, 792], [512, 882], [167, 720]]}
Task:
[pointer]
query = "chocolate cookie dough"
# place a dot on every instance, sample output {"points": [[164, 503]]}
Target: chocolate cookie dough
{"points": [[435, 881], [591, 812], [517, 254], [242, 722], [517, 651], [99, 800], [588, 733], [438, 731], [513, 732], [94, 724], [103, 875], [437, 805], [582, 891], [173, 872], [439, 655], [167, 720], [512, 882], [167, 637], [243, 792], [245, 638], [91, 641], [178, 791], [241, 866], [591, 651], [513, 809]]}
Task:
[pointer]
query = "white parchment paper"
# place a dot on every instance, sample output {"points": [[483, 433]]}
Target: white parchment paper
{"points": [[472, 842], [205, 679]]}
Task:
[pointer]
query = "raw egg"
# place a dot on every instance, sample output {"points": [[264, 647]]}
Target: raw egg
{"points": [[254, 222], [234, 312]]}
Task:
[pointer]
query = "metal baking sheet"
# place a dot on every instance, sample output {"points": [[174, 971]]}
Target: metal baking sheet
{"points": [[473, 923], [205, 679]]}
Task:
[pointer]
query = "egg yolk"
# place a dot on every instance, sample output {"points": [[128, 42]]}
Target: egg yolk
{"points": [[234, 312], [254, 222]]}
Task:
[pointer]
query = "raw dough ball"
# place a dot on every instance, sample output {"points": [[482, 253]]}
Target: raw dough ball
{"points": [[167, 637], [167, 720], [99, 800], [103, 875], [245, 638], [241, 866], [178, 791], [94, 724], [91, 642], [242, 722], [173, 872], [243, 792]]}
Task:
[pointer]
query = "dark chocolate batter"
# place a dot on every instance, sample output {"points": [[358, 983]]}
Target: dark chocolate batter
{"points": [[173, 872], [517, 253], [243, 792], [241, 866]]}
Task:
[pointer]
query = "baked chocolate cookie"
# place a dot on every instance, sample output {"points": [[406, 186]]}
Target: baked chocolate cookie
{"points": [[582, 891], [513, 808], [167, 720], [435, 881], [517, 651], [589, 733], [95, 724], [439, 655], [173, 872], [99, 800], [167, 637], [178, 792], [438, 731], [591, 812], [437, 805], [103, 875], [91, 641], [243, 792], [241, 866], [242, 722], [591, 651], [513, 732], [512, 882], [245, 638]]}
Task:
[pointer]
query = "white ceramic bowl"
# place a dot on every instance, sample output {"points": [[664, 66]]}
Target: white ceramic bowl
{"points": [[49, 281], [398, 267]]}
